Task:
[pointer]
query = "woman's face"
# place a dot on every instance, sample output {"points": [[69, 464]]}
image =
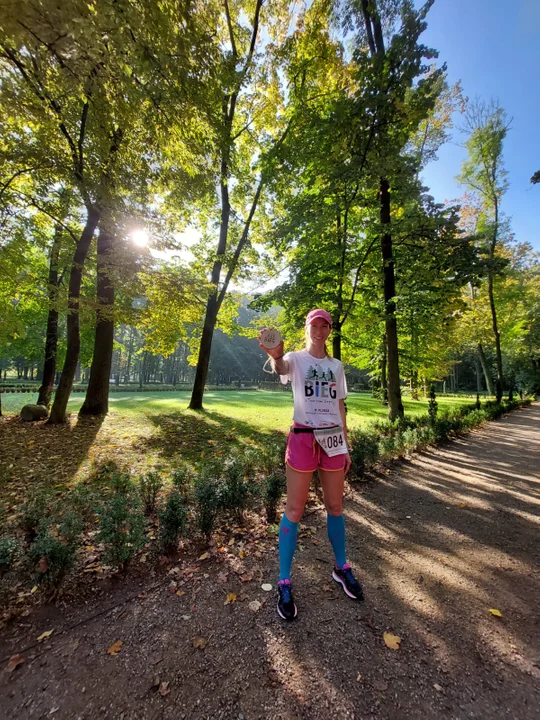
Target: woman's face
{"points": [[318, 331]]}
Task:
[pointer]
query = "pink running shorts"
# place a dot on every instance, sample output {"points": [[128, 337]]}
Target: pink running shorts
{"points": [[304, 454]]}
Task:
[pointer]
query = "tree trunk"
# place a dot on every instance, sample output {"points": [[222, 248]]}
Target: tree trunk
{"points": [[478, 375], [204, 353], [483, 363], [336, 340], [63, 391], [96, 401], [395, 405], [51, 337], [497, 336], [384, 382], [127, 375]]}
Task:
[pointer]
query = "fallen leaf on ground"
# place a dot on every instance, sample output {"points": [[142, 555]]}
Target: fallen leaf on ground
{"points": [[392, 641], [180, 593], [231, 597], [247, 577], [14, 662], [495, 612], [45, 635], [205, 556], [222, 577], [437, 687], [254, 606], [266, 587], [115, 647], [359, 678], [42, 565], [164, 689], [34, 589], [199, 642]]}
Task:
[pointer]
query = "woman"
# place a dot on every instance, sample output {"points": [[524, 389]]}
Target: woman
{"points": [[317, 441]]}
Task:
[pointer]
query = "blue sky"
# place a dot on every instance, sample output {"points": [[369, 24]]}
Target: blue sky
{"points": [[493, 47]]}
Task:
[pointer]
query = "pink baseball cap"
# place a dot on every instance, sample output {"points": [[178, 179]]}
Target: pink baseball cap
{"points": [[318, 314]]}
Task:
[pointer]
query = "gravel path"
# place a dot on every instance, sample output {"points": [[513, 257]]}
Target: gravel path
{"points": [[438, 541]]}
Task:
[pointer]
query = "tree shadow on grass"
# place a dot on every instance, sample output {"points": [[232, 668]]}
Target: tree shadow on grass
{"points": [[193, 437], [40, 456]]}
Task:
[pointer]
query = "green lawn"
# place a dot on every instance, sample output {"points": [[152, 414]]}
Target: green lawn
{"points": [[263, 410]]}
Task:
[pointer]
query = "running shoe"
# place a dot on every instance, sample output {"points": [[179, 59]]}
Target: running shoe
{"points": [[285, 605], [349, 583]]}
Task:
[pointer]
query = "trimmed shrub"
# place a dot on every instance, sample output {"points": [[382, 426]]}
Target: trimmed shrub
{"points": [[273, 489], [208, 501], [149, 487], [385, 440], [33, 511], [54, 549], [121, 528], [183, 480], [236, 489], [172, 521], [364, 450]]}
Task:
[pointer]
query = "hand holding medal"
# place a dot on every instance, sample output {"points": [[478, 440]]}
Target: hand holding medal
{"points": [[271, 342]]}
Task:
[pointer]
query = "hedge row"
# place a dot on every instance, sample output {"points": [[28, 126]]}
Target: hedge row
{"points": [[383, 440], [121, 515]]}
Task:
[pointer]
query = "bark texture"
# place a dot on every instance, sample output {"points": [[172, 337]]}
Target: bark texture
{"points": [[51, 337], [395, 405], [96, 401], [58, 411]]}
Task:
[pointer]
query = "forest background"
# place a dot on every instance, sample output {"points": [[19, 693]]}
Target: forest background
{"points": [[175, 176]]}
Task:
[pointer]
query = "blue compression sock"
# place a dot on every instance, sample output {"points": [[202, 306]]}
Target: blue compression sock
{"points": [[336, 534], [288, 535]]}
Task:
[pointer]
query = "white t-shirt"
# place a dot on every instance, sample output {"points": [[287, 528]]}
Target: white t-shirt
{"points": [[318, 384]]}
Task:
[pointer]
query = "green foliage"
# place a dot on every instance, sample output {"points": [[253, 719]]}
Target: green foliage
{"points": [[55, 547], [172, 520], [84, 500], [385, 440], [9, 548], [183, 480], [273, 488], [149, 488], [33, 511], [236, 489], [208, 501], [364, 450], [121, 524]]}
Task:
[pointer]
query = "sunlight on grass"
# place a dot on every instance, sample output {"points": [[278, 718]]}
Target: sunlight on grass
{"points": [[263, 410]]}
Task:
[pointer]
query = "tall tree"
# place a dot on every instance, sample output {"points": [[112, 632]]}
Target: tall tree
{"points": [[483, 173], [249, 123]]}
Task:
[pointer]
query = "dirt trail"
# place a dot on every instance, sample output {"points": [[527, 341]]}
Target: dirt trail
{"points": [[438, 542]]}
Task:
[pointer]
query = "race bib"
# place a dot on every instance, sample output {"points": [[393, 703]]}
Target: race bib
{"points": [[331, 440]]}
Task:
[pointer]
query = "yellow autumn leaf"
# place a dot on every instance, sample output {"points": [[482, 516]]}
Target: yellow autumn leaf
{"points": [[495, 612], [34, 589], [45, 635], [392, 641], [205, 556], [231, 597], [199, 642], [180, 593], [115, 647]]}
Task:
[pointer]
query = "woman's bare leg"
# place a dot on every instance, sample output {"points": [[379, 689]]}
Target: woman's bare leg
{"points": [[297, 492]]}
